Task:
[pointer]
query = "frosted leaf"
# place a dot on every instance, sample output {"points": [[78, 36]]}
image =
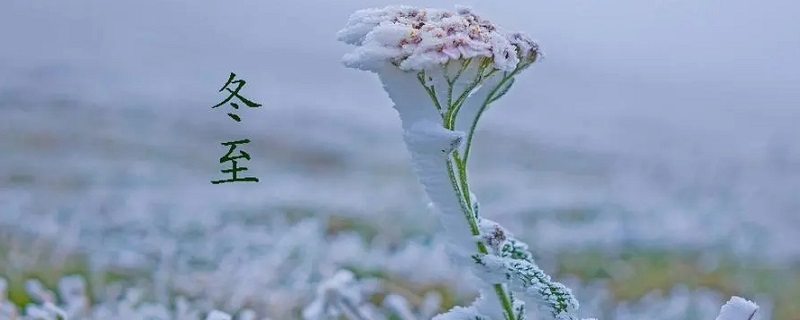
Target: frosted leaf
{"points": [[536, 287], [37, 291], [738, 308], [400, 306], [502, 242], [337, 295], [55, 310], [72, 290], [431, 303]]}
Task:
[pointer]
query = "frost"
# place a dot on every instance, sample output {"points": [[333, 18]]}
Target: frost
{"points": [[430, 145], [442, 70], [417, 39], [218, 315], [400, 306], [738, 309], [340, 295], [535, 286], [461, 313]]}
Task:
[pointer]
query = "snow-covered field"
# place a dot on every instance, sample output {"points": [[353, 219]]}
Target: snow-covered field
{"points": [[665, 130]]}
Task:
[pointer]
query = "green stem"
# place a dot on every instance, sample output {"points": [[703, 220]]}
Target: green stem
{"points": [[451, 121], [430, 90], [457, 188], [489, 99], [459, 183], [499, 290]]}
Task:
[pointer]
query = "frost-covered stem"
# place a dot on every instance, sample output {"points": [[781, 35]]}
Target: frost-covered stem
{"points": [[458, 174], [473, 226], [463, 193], [351, 310], [453, 109], [460, 184], [430, 90], [489, 99], [451, 82]]}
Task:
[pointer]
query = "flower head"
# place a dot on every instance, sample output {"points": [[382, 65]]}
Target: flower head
{"points": [[416, 39]]}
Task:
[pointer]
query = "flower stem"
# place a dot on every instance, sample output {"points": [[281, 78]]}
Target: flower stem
{"points": [[458, 174], [489, 99], [462, 189]]}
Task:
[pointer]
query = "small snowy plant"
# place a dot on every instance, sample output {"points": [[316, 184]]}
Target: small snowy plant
{"points": [[74, 304], [442, 70]]}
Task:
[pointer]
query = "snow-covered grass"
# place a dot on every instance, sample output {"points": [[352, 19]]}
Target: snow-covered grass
{"points": [[636, 278]]}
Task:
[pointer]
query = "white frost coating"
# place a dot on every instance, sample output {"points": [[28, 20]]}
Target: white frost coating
{"points": [[72, 290], [442, 70], [336, 296], [413, 103], [461, 313], [218, 315], [738, 308], [536, 287], [409, 97], [37, 291], [430, 305], [431, 139], [487, 303], [417, 39], [430, 145], [400, 306]]}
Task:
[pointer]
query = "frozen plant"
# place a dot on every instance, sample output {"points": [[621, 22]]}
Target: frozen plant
{"points": [[7, 309], [340, 295], [738, 309], [74, 304], [442, 70]]}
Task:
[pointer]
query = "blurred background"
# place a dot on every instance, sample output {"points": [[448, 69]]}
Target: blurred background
{"points": [[651, 159]]}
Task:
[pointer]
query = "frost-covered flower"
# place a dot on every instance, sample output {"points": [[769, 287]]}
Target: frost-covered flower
{"points": [[417, 39], [438, 65], [442, 70]]}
